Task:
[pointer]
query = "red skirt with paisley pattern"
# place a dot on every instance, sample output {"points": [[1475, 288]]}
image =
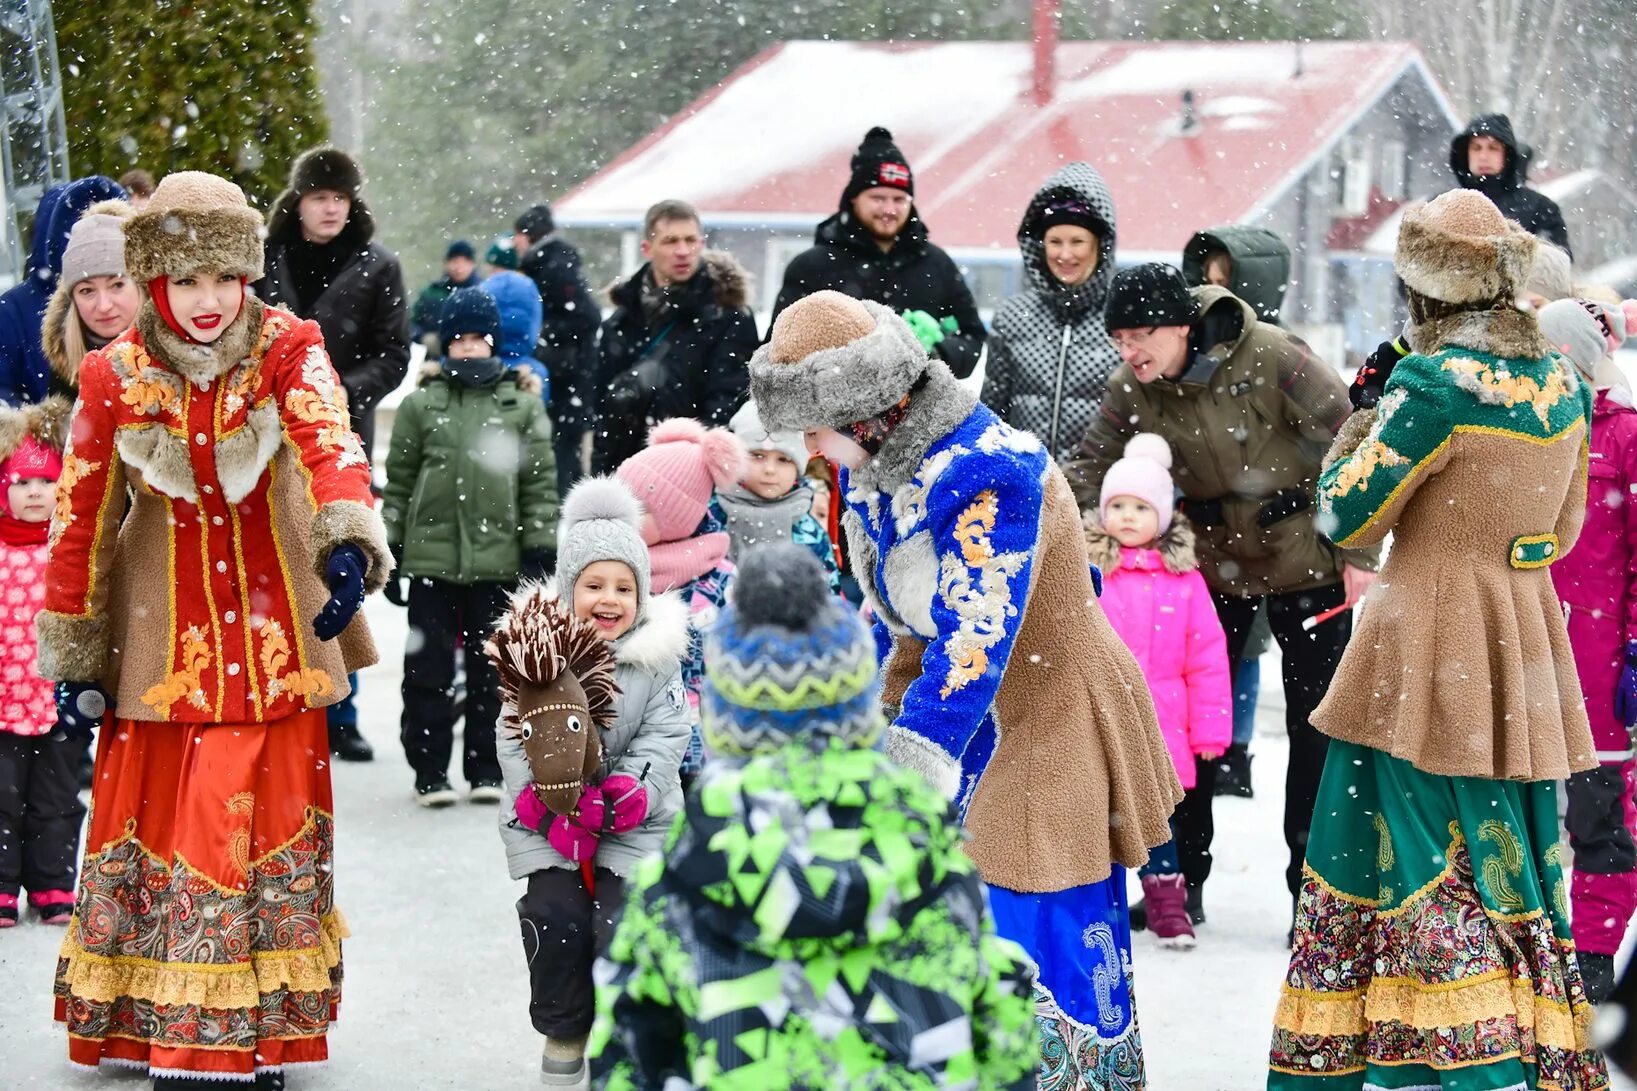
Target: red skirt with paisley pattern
{"points": [[205, 939]]}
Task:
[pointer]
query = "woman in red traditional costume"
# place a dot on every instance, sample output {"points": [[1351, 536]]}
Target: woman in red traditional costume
{"points": [[213, 539]]}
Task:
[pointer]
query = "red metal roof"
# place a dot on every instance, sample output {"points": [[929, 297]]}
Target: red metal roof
{"points": [[771, 143]]}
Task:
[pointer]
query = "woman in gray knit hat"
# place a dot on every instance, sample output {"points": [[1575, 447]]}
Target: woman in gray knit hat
{"points": [[95, 301]]}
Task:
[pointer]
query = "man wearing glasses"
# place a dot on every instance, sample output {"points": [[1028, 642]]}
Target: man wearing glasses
{"points": [[678, 340], [1249, 412]]}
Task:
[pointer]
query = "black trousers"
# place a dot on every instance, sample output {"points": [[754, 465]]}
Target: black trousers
{"points": [[40, 812], [1309, 661], [565, 447], [564, 930], [440, 613]]}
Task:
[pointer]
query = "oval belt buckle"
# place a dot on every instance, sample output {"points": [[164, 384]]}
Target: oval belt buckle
{"points": [[1532, 551]]}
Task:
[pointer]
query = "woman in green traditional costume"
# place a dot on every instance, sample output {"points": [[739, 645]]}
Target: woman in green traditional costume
{"points": [[1432, 946]]}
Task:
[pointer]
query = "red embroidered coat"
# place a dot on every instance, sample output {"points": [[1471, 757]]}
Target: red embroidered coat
{"points": [[195, 512]]}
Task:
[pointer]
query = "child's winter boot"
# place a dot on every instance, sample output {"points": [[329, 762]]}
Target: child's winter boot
{"points": [[1168, 910], [563, 1064], [53, 906], [8, 910]]}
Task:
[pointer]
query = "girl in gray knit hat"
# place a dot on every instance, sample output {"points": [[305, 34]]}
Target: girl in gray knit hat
{"points": [[603, 573], [95, 301]]}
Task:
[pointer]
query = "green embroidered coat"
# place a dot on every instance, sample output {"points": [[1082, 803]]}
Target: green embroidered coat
{"points": [[1475, 460]]}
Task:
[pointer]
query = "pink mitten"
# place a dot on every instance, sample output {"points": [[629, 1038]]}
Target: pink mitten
{"points": [[530, 811], [575, 842], [627, 801]]}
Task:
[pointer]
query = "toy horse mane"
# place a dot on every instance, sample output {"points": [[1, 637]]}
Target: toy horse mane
{"points": [[538, 639]]}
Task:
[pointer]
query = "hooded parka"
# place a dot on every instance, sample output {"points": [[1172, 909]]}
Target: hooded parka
{"points": [[1050, 355], [1261, 265], [1537, 213]]}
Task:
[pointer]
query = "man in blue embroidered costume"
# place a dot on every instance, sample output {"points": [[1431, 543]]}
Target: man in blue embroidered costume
{"points": [[1007, 688], [1432, 936]]}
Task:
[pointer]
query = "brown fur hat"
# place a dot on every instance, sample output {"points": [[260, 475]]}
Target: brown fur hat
{"points": [[194, 221], [323, 167], [1458, 248], [46, 421]]}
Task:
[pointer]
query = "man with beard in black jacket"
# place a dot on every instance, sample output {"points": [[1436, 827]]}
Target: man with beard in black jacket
{"points": [[679, 340], [1485, 156], [568, 334], [322, 264], [876, 248]]}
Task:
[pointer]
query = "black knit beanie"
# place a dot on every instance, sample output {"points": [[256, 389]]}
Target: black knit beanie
{"points": [[1152, 294], [536, 222], [878, 162]]}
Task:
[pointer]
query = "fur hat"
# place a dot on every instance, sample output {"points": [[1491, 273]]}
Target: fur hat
{"points": [[1151, 294], [675, 476], [601, 521], [1550, 275], [96, 244], [877, 162], [832, 361], [1144, 472], [1458, 248], [194, 221], [322, 168], [536, 222], [747, 425], [787, 659]]}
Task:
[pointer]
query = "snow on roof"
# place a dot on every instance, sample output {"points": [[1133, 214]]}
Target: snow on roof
{"points": [[772, 142]]}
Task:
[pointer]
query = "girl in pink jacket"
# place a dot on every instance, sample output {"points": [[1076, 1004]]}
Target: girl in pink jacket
{"points": [[1597, 584], [1157, 601]]}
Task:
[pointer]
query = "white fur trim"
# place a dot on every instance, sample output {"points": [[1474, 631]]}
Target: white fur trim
{"points": [[911, 573], [927, 758], [161, 459], [241, 458], [659, 641], [909, 503]]}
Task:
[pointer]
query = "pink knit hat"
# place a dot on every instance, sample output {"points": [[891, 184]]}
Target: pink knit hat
{"points": [[1144, 472], [675, 475]]}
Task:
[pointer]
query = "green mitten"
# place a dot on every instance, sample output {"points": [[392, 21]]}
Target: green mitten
{"points": [[926, 329]]}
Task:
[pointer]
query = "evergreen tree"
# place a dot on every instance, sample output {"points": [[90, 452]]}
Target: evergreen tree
{"points": [[172, 85]]}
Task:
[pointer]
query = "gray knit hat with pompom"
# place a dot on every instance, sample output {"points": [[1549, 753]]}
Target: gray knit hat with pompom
{"points": [[602, 521]]}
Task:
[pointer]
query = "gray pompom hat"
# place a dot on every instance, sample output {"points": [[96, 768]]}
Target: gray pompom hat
{"points": [[601, 521]]}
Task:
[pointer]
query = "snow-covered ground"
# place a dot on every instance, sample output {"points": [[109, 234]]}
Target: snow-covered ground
{"points": [[436, 994]]}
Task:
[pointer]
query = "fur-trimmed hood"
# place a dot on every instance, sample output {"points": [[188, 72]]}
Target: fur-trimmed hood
{"points": [[729, 283], [1175, 547], [54, 335], [527, 381], [46, 421]]}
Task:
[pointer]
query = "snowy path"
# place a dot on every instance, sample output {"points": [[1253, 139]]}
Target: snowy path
{"points": [[436, 993]]}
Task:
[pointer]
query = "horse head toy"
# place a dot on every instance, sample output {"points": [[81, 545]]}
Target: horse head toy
{"points": [[557, 682]]}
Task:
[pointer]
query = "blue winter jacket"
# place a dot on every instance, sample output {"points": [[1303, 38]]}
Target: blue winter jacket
{"points": [[521, 315], [23, 366]]}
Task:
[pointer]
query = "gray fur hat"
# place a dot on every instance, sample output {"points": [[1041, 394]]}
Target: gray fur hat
{"points": [[602, 521], [833, 361]]}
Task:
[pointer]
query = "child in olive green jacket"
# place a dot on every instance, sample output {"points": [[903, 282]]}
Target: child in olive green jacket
{"points": [[470, 506]]}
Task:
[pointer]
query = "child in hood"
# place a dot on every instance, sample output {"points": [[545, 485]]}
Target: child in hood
{"points": [[470, 504], [1597, 584], [40, 809], [773, 501], [673, 478], [865, 902], [1158, 602], [603, 572]]}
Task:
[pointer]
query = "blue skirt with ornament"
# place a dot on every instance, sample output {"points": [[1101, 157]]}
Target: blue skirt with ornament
{"points": [[1081, 940]]}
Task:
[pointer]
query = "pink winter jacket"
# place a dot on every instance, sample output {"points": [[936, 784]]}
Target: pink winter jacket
{"points": [[27, 706], [1597, 580], [1157, 601]]}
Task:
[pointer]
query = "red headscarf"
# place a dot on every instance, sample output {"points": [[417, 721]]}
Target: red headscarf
{"points": [[159, 289]]}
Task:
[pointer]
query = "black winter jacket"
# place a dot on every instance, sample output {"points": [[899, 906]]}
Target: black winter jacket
{"points": [[1050, 355], [1261, 265], [692, 362], [914, 275], [1537, 212], [364, 313], [568, 332]]}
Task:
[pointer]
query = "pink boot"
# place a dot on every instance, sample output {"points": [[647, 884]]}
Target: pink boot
{"points": [[53, 906], [8, 910], [1167, 901]]}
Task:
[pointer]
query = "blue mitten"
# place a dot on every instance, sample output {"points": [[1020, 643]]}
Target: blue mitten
{"points": [[80, 707], [344, 572]]}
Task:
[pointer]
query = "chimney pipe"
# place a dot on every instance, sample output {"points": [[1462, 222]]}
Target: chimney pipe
{"points": [[1046, 26]]}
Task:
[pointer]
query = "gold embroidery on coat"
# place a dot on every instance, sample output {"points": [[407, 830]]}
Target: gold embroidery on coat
{"points": [[187, 681], [75, 469], [1503, 388], [983, 604], [143, 387], [275, 655]]}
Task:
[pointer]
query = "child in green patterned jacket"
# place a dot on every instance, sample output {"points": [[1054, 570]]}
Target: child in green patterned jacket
{"points": [[814, 916]]}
